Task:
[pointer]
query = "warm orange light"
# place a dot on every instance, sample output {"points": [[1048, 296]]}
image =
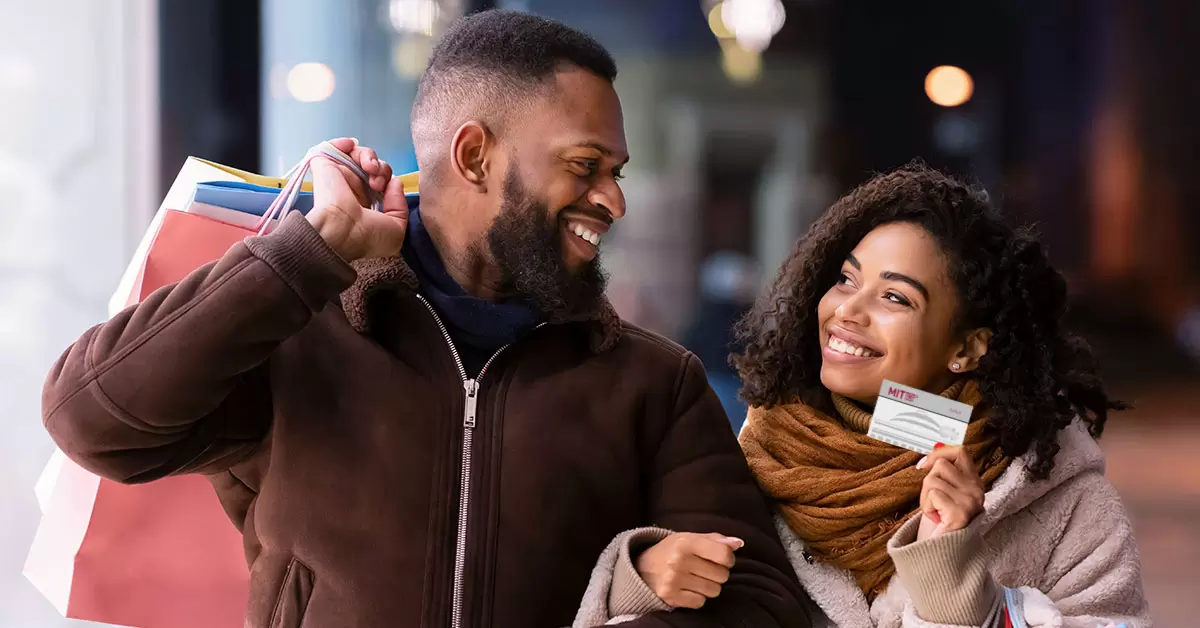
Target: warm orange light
{"points": [[949, 86]]}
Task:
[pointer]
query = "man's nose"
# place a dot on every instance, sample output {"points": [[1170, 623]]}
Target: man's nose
{"points": [[608, 194]]}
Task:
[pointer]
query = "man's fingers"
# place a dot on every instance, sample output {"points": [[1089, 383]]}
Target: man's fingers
{"points": [[345, 144], [394, 202], [366, 159], [328, 181], [379, 183], [378, 171]]}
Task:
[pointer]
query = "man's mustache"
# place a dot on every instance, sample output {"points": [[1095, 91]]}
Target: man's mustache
{"points": [[588, 212]]}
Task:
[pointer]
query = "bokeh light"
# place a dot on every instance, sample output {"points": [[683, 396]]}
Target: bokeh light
{"points": [[752, 22], [414, 16], [717, 24], [949, 86], [740, 64], [310, 82]]}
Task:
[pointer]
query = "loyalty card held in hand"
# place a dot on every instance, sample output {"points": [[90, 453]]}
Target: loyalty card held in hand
{"points": [[917, 420]]}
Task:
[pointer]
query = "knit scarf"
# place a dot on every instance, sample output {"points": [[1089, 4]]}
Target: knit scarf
{"points": [[844, 493]]}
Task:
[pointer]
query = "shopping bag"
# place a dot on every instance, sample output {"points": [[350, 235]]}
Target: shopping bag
{"points": [[162, 554], [193, 172], [156, 555], [244, 197], [196, 171]]}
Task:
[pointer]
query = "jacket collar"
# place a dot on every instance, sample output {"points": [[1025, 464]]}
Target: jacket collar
{"points": [[393, 274]]}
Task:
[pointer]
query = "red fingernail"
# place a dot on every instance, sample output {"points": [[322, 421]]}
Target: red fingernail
{"points": [[939, 445]]}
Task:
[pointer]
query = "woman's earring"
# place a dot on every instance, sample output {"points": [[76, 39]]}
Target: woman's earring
{"points": [[956, 366]]}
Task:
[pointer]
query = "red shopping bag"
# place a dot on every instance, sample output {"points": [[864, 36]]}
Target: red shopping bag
{"points": [[162, 554], [156, 555]]}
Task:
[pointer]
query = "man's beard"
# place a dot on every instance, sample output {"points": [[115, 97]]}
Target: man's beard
{"points": [[526, 243]]}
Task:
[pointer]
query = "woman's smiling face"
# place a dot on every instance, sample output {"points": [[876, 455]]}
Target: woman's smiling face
{"points": [[890, 315]]}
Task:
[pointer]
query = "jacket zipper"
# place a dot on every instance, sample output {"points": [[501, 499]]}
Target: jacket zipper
{"points": [[471, 402]]}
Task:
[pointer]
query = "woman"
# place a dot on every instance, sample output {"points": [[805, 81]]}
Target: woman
{"points": [[912, 278]]}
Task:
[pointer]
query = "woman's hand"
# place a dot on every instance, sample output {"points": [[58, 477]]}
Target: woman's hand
{"points": [[952, 493], [685, 570]]}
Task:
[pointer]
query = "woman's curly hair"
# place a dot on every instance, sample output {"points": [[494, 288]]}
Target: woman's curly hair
{"points": [[1035, 378]]}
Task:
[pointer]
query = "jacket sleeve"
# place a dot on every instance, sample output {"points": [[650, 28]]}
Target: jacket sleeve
{"points": [[1093, 577], [179, 383], [701, 484]]}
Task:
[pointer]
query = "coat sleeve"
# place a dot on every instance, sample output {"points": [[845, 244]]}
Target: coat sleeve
{"points": [[178, 383], [1093, 578], [701, 483]]}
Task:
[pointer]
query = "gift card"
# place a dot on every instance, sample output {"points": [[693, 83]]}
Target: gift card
{"points": [[917, 420]]}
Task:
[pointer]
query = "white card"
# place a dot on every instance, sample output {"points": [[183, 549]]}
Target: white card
{"points": [[917, 420]]}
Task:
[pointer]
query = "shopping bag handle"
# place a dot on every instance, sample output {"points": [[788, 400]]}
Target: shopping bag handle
{"points": [[286, 200]]}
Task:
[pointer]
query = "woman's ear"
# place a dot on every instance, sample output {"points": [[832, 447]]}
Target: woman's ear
{"points": [[974, 347]]}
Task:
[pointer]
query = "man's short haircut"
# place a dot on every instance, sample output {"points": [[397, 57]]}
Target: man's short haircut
{"points": [[487, 63]]}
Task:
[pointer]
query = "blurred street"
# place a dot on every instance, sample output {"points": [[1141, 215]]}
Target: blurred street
{"points": [[1152, 458], [1153, 463]]}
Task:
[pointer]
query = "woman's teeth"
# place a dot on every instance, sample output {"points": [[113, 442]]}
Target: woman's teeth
{"points": [[590, 236], [842, 346]]}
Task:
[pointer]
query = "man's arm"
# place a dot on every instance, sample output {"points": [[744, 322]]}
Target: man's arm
{"points": [[701, 484], [178, 383]]}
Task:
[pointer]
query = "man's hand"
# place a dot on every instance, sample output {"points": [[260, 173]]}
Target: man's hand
{"points": [[952, 493], [685, 570], [341, 212]]}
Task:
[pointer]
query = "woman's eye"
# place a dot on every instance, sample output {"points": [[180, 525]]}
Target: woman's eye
{"points": [[845, 280], [898, 299]]}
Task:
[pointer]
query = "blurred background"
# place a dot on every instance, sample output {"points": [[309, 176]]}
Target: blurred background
{"points": [[745, 119]]}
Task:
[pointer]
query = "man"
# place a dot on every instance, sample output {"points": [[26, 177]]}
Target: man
{"points": [[433, 417]]}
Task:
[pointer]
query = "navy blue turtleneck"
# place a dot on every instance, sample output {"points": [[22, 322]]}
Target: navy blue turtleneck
{"points": [[478, 327]]}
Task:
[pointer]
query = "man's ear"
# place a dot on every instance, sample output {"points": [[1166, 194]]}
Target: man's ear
{"points": [[470, 153]]}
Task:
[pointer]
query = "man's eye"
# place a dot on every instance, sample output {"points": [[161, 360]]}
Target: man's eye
{"points": [[585, 168]]}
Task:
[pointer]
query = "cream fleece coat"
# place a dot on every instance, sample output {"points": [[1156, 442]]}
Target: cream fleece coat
{"points": [[1063, 545]]}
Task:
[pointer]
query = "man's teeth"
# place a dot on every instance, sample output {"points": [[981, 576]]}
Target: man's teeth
{"points": [[842, 346], [587, 234]]}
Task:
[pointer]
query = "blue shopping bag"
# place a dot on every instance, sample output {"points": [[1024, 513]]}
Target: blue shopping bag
{"points": [[250, 198]]}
